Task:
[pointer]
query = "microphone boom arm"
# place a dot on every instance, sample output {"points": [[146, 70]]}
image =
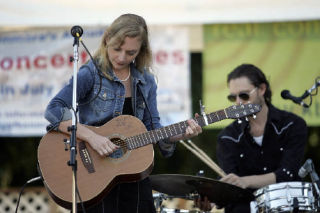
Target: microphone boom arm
{"points": [[285, 94]]}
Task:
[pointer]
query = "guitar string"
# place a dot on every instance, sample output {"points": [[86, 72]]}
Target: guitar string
{"points": [[123, 143]]}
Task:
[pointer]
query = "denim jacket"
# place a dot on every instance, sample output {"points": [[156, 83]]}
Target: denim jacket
{"points": [[96, 108]]}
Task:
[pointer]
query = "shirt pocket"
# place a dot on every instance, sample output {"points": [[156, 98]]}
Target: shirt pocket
{"points": [[105, 100]]}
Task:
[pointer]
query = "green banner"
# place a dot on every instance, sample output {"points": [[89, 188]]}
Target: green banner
{"points": [[287, 52]]}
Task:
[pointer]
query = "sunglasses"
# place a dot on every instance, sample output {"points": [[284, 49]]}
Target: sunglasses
{"points": [[242, 95]]}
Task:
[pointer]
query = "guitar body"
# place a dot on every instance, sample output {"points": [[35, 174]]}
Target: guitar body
{"points": [[96, 175]]}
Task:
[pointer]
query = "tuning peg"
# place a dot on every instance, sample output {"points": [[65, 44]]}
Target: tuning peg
{"points": [[202, 107], [247, 119], [254, 116], [203, 113], [239, 121]]}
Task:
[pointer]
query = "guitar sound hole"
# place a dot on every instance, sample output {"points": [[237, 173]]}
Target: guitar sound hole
{"points": [[119, 153]]}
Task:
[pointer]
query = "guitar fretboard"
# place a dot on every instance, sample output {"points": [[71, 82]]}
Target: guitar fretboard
{"points": [[168, 131]]}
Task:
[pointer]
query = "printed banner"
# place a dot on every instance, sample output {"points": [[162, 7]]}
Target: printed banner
{"points": [[35, 65], [171, 66], [288, 54]]}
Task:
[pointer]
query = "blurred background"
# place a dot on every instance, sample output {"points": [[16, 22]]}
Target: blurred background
{"points": [[194, 43]]}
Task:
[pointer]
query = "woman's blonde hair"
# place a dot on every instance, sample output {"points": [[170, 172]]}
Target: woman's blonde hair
{"points": [[127, 25]]}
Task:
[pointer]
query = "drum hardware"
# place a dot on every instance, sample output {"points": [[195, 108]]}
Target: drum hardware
{"points": [[160, 197], [200, 173], [295, 205], [168, 210]]}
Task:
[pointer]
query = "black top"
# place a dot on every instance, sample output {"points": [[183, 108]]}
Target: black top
{"points": [[127, 107], [281, 151], [127, 197]]}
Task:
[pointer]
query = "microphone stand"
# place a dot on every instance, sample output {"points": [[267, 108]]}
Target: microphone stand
{"points": [[76, 32], [309, 91], [316, 183], [308, 168]]}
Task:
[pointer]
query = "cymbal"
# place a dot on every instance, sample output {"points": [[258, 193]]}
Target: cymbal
{"points": [[217, 192]]}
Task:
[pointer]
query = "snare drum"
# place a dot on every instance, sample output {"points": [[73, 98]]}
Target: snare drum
{"points": [[285, 197]]}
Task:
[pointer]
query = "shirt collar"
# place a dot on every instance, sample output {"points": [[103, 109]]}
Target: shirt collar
{"points": [[274, 114], [137, 74]]}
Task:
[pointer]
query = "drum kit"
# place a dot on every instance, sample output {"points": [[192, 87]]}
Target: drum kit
{"points": [[279, 197]]}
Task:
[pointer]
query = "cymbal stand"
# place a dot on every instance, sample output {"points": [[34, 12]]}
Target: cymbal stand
{"points": [[158, 198]]}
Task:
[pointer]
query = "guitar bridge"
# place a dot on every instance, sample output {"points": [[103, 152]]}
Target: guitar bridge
{"points": [[85, 157]]}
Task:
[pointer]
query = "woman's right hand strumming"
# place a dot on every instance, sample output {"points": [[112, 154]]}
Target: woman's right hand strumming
{"points": [[102, 145]]}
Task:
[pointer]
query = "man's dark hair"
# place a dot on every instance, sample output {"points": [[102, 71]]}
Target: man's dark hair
{"points": [[255, 76]]}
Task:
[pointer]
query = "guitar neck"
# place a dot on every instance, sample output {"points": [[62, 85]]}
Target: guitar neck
{"points": [[172, 130]]}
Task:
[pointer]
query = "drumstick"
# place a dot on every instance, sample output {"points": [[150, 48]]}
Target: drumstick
{"points": [[198, 154], [200, 151], [206, 156], [215, 167]]}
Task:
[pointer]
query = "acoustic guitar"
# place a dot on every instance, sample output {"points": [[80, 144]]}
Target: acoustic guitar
{"points": [[133, 161]]}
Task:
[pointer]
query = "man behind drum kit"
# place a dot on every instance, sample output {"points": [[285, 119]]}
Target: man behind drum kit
{"points": [[265, 150]]}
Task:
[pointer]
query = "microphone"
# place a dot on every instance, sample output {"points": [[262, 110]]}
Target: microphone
{"points": [[305, 169], [76, 31], [285, 94]]}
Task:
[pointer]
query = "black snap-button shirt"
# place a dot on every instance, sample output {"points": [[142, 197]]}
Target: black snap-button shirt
{"points": [[281, 152]]}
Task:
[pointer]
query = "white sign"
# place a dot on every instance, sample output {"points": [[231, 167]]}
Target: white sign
{"points": [[35, 65]]}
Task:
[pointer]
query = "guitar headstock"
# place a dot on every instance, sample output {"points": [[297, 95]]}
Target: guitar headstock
{"points": [[243, 110]]}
